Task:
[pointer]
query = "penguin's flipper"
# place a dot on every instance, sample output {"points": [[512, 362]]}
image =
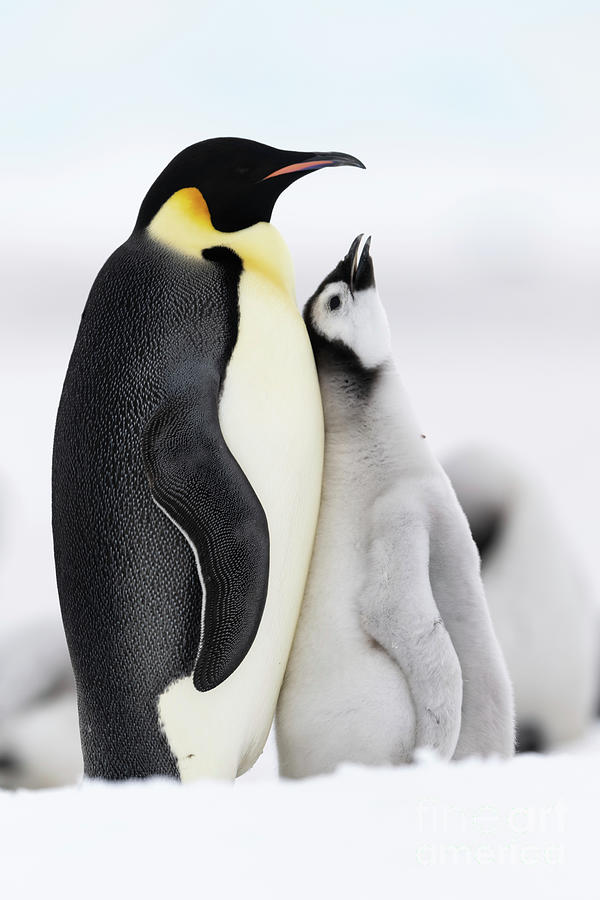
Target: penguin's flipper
{"points": [[487, 725], [398, 612], [197, 482]]}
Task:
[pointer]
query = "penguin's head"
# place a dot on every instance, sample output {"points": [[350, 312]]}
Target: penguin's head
{"points": [[239, 180], [345, 318]]}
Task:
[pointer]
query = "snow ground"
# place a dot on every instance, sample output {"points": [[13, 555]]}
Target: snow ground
{"points": [[472, 829]]}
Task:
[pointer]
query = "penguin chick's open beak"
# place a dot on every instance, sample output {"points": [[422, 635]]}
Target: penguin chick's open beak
{"points": [[315, 161], [361, 271]]}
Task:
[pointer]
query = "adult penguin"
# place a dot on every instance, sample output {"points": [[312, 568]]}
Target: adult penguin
{"points": [[187, 472]]}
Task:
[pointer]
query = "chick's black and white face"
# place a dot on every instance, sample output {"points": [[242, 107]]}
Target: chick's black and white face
{"points": [[346, 310]]}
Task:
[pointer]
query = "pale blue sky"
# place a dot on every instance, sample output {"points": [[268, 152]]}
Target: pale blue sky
{"points": [[479, 122], [80, 77]]}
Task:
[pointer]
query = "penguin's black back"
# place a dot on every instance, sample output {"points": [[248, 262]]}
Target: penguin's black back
{"points": [[155, 322]]}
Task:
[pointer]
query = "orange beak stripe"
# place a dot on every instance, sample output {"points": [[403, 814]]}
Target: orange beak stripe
{"points": [[302, 167]]}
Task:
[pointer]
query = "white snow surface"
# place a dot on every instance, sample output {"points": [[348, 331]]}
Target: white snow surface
{"points": [[472, 829]]}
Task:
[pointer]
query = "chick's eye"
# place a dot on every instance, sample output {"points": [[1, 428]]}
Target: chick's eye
{"points": [[334, 302]]}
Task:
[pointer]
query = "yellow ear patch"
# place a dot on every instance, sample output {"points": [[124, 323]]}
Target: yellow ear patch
{"points": [[184, 224]]}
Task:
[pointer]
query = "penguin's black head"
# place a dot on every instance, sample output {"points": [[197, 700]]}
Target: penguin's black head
{"points": [[345, 318], [240, 180]]}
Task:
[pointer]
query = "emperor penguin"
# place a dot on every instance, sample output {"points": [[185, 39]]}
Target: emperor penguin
{"points": [[394, 648], [542, 607], [187, 472]]}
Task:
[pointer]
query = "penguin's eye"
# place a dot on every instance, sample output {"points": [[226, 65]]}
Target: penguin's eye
{"points": [[334, 302]]}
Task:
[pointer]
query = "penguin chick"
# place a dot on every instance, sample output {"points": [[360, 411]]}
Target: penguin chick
{"points": [[543, 610], [394, 633]]}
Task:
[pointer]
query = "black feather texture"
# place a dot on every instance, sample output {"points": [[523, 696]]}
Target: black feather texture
{"points": [[157, 334]]}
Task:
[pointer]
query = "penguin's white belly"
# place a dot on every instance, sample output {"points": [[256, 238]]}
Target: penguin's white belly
{"points": [[343, 699], [271, 418]]}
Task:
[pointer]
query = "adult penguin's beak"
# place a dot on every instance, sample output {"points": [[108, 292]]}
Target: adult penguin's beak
{"points": [[312, 161]]}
